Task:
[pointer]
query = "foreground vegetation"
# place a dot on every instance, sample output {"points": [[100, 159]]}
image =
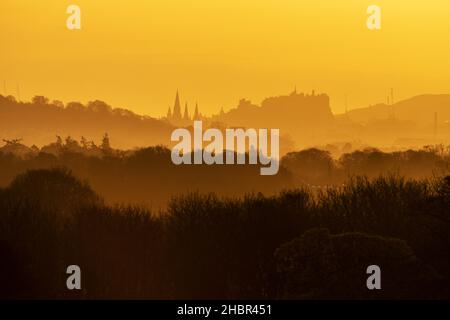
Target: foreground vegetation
{"points": [[297, 244], [152, 179]]}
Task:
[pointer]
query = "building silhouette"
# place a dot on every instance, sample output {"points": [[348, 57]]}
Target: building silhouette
{"points": [[176, 118]]}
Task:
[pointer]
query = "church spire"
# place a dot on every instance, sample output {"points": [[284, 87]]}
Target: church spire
{"points": [[196, 115], [186, 113], [169, 113], [177, 108]]}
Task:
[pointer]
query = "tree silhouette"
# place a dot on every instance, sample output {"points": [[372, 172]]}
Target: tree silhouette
{"points": [[40, 100]]}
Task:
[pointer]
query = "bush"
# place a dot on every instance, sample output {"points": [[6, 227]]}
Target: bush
{"points": [[322, 266]]}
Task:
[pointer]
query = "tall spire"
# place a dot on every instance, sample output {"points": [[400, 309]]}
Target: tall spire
{"points": [[186, 113], [435, 131], [177, 108], [346, 103], [196, 115]]}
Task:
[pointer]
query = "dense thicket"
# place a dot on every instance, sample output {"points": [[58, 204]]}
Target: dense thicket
{"points": [[297, 244], [148, 176]]}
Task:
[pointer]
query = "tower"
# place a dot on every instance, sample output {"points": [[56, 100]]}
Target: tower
{"points": [[390, 99], [169, 114], [186, 113], [196, 115], [346, 103], [176, 115], [435, 125]]}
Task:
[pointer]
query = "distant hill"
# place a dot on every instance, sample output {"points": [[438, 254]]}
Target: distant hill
{"points": [[40, 121], [419, 109]]}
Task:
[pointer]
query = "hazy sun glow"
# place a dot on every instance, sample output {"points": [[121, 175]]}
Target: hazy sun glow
{"points": [[136, 54]]}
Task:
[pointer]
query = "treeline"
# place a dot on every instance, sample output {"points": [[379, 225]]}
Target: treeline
{"points": [[39, 120], [147, 176], [293, 245], [317, 167]]}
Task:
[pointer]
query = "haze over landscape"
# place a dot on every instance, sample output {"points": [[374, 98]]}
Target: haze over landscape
{"points": [[135, 54], [304, 120], [87, 170]]}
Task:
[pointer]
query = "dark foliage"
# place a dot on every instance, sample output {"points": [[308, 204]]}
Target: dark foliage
{"points": [[151, 178], [293, 245]]}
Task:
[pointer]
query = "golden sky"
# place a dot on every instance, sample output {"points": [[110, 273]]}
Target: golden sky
{"points": [[136, 53]]}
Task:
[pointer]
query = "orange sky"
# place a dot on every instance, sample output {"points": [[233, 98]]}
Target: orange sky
{"points": [[135, 54]]}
